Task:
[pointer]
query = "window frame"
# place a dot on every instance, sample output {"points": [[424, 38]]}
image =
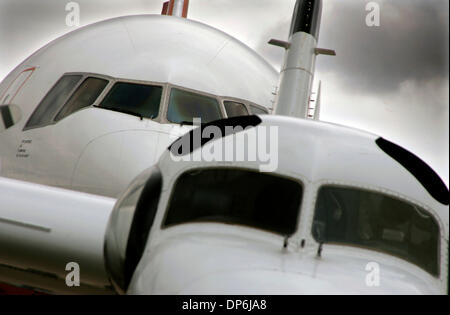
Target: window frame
{"points": [[247, 104], [165, 206], [228, 99], [163, 106], [265, 109], [167, 99], [83, 79], [12, 111], [391, 194], [84, 76], [113, 82]]}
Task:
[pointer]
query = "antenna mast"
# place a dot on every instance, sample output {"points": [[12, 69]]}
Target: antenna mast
{"points": [[297, 73]]}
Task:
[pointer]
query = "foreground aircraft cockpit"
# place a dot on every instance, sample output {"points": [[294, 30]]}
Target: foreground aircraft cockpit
{"points": [[199, 226], [245, 205]]}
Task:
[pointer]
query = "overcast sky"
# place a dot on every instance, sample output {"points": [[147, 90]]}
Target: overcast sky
{"points": [[392, 80]]}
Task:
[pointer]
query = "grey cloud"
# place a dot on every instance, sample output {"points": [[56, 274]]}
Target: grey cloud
{"points": [[410, 44], [26, 25]]}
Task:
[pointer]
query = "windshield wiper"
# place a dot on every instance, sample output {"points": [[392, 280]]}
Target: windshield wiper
{"points": [[124, 111]]}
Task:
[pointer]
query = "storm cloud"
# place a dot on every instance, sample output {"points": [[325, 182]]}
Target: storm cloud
{"points": [[410, 44]]}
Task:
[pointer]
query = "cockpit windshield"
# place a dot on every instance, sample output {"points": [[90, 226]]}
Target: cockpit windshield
{"points": [[235, 109], [257, 111], [376, 221], [184, 106], [135, 99], [235, 196]]}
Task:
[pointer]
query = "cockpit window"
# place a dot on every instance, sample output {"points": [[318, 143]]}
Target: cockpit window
{"points": [[184, 106], [9, 116], [52, 102], [234, 196], [375, 221], [258, 111], [235, 109], [134, 99], [84, 96]]}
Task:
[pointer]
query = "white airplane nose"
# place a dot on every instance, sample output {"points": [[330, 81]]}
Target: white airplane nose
{"points": [[278, 282], [260, 282]]}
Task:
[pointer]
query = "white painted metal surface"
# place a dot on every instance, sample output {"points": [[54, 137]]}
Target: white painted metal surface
{"points": [[100, 152], [211, 258], [154, 48], [42, 229], [221, 260], [297, 76]]}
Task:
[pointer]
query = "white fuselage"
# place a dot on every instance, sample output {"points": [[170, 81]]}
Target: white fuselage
{"points": [[215, 258], [99, 151]]}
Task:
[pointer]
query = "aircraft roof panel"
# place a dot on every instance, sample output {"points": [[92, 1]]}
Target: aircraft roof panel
{"points": [[328, 153], [161, 49]]}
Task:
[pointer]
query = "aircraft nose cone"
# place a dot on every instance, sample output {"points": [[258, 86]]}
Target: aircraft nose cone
{"points": [[261, 282]]}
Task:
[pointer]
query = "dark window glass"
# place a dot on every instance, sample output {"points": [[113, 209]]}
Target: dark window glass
{"points": [[52, 102], [135, 99], [235, 196], [184, 106], [235, 109], [258, 111], [9, 116], [84, 96], [6, 115], [375, 221]]}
